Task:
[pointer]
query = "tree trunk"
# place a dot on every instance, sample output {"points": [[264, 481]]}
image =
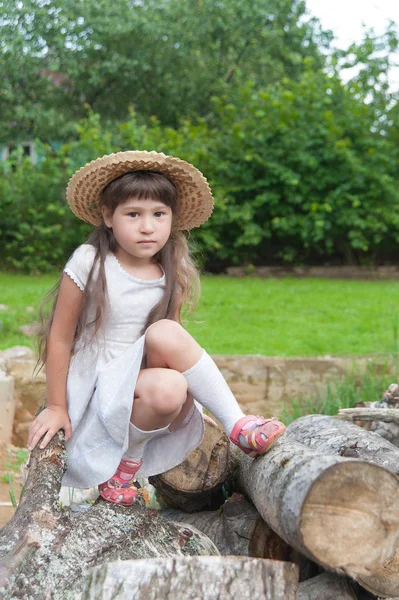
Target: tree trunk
{"points": [[46, 552], [197, 483], [326, 586], [342, 513], [205, 578]]}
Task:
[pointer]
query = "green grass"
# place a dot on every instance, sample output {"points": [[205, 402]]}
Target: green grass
{"points": [[275, 317], [358, 385]]}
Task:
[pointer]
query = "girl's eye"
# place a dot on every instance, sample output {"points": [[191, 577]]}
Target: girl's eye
{"points": [[132, 214], [159, 213]]}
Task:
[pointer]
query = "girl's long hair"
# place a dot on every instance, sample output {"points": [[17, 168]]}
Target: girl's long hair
{"points": [[181, 274]]}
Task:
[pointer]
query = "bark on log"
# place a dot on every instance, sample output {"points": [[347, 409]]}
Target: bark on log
{"points": [[327, 586], [208, 578], [46, 552], [335, 436], [342, 513], [237, 529], [197, 483]]}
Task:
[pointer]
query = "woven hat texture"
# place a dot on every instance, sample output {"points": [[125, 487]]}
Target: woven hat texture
{"points": [[195, 202]]}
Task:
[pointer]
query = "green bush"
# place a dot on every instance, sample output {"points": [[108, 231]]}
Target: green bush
{"points": [[37, 230]]}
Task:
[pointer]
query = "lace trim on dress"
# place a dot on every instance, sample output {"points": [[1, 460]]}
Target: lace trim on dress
{"points": [[137, 279], [74, 278]]}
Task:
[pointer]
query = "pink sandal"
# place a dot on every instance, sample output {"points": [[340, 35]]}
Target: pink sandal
{"points": [[259, 434], [120, 489]]}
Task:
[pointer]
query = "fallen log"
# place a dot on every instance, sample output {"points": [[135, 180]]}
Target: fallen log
{"points": [[46, 551], [327, 586], [205, 578], [340, 512], [197, 483]]}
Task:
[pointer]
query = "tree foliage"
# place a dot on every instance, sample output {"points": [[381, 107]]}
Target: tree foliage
{"points": [[303, 164], [165, 57]]}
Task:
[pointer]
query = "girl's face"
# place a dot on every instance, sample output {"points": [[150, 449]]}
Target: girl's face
{"points": [[141, 227]]}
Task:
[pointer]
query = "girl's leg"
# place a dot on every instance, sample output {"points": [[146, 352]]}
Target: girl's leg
{"points": [[159, 397], [169, 344]]}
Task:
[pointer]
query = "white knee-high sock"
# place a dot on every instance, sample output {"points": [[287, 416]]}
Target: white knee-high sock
{"points": [[208, 386], [138, 439]]}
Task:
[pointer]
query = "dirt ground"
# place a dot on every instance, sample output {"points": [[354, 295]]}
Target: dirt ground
{"points": [[11, 459]]}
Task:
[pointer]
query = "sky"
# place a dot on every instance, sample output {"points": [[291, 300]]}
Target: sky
{"points": [[345, 19]]}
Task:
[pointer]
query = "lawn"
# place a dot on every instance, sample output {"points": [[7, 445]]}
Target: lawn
{"points": [[274, 317]]}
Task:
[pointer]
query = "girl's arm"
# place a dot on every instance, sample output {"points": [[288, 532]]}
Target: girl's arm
{"points": [[59, 347]]}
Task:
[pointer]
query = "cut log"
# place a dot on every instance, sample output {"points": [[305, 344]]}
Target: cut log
{"points": [[331, 435], [236, 529], [385, 415], [205, 578], [381, 422], [46, 552], [197, 483], [334, 436], [384, 421], [326, 586], [342, 513]]}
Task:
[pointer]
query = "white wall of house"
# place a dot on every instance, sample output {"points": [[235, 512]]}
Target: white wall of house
{"points": [[28, 149]]}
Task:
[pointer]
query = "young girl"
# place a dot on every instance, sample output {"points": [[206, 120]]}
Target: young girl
{"points": [[122, 373]]}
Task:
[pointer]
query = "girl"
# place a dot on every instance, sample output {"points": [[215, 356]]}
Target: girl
{"points": [[122, 373]]}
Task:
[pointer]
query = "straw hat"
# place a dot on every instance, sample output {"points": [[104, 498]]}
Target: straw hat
{"points": [[195, 202]]}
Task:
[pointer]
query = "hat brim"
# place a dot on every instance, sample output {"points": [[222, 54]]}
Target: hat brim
{"points": [[195, 202]]}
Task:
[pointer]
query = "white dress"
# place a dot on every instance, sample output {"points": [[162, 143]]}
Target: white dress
{"points": [[102, 378]]}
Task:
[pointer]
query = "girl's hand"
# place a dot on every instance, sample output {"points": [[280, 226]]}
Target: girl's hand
{"points": [[50, 420]]}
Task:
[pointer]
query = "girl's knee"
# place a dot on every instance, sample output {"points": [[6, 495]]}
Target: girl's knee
{"points": [[164, 391], [164, 332]]}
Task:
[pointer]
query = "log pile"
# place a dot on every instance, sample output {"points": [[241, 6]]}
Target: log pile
{"points": [[317, 517]]}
